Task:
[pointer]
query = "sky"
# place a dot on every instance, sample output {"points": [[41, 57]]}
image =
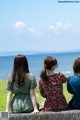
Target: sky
{"points": [[39, 25]]}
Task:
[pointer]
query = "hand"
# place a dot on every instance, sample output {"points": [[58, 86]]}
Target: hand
{"points": [[35, 111]]}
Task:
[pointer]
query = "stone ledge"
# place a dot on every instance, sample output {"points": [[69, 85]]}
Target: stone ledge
{"points": [[4, 116], [64, 115]]}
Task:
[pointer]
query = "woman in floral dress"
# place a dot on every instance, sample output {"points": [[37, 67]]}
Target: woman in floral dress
{"points": [[50, 86]]}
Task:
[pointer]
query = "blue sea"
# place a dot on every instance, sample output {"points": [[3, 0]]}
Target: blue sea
{"points": [[65, 63]]}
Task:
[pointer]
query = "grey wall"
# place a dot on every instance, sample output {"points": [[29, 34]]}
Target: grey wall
{"points": [[4, 116], [64, 115]]}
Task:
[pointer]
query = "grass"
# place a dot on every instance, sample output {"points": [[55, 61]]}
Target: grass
{"points": [[40, 99], [3, 95]]}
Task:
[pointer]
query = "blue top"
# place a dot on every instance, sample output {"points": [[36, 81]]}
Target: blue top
{"points": [[73, 87]]}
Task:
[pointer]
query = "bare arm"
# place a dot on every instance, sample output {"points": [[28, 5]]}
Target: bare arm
{"points": [[9, 97], [33, 98]]}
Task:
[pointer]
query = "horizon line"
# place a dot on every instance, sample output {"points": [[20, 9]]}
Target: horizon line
{"points": [[13, 53]]}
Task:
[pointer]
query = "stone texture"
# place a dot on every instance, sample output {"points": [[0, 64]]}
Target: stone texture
{"points": [[64, 115], [3, 116]]}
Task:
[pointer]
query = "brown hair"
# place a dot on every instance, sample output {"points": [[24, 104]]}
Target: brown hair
{"points": [[76, 66], [49, 62], [20, 69]]}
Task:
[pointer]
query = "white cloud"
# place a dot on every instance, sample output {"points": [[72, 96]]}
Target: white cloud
{"points": [[19, 25], [67, 26], [60, 26], [32, 30], [19, 28], [35, 32], [64, 28]]}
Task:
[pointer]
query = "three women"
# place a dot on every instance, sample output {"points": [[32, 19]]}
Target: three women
{"points": [[22, 83]]}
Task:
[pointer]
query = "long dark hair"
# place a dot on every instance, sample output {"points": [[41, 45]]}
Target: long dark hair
{"points": [[76, 66], [20, 68], [49, 62]]}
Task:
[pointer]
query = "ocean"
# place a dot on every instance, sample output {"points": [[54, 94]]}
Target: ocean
{"points": [[65, 63]]}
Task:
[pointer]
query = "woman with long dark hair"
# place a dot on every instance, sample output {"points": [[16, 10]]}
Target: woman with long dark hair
{"points": [[50, 86], [21, 83]]}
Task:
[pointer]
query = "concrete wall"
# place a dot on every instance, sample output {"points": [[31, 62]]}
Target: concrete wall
{"points": [[64, 115], [4, 116]]}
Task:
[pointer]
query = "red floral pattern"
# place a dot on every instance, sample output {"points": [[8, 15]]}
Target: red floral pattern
{"points": [[53, 92]]}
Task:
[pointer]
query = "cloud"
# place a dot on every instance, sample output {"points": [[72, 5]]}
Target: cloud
{"points": [[19, 25], [32, 30], [57, 27], [35, 32]]}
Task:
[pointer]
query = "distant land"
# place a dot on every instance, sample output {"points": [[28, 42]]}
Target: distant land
{"points": [[13, 53]]}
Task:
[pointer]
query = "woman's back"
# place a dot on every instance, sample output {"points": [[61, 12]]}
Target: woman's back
{"points": [[52, 90], [21, 83], [29, 83], [73, 86]]}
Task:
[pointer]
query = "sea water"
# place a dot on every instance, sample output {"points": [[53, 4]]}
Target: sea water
{"points": [[65, 63]]}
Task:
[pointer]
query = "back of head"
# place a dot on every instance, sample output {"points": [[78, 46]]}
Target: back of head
{"points": [[76, 66], [49, 62], [20, 63], [20, 69]]}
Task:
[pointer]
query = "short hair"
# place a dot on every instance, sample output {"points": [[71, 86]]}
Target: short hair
{"points": [[76, 65]]}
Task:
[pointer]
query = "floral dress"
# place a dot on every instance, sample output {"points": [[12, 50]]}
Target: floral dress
{"points": [[52, 90]]}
